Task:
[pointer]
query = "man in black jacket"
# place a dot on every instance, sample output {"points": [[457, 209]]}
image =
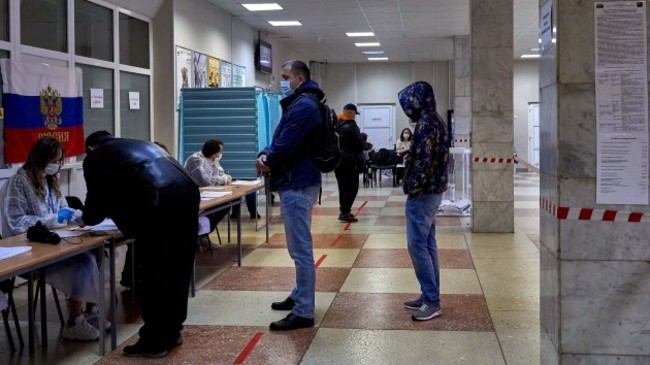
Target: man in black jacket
{"points": [[151, 198], [347, 172]]}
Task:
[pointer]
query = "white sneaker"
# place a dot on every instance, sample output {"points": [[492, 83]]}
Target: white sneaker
{"points": [[81, 331], [93, 319]]}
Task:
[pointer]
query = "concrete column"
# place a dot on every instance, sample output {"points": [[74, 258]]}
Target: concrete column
{"points": [[594, 275], [462, 87], [492, 114]]}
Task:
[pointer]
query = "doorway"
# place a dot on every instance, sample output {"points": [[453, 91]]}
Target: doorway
{"points": [[378, 122], [533, 134]]}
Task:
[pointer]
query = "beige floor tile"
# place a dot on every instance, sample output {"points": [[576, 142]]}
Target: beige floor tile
{"points": [[380, 280], [518, 334], [397, 198], [360, 227], [244, 308], [336, 257], [534, 204], [527, 301], [393, 212], [501, 245], [377, 347], [527, 191]]}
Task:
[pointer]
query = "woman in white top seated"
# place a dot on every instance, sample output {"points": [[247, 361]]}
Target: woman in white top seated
{"points": [[205, 169], [404, 143], [33, 195]]}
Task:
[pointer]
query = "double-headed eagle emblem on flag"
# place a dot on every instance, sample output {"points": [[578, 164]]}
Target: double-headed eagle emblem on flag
{"points": [[51, 107]]}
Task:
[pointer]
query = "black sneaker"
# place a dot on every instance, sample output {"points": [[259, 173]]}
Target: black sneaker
{"points": [[285, 305], [291, 322], [141, 349], [348, 217]]}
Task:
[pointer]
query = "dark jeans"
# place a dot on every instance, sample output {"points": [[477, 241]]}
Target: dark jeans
{"points": [[347, 178], [166, 254]]}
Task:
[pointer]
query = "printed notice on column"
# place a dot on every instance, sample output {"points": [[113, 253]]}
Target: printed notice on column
{"points": [[621, 102]]}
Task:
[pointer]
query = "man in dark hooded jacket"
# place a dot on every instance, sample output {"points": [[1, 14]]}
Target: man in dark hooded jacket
{"points": [[292, 173], [347, 172], [151, 198], [425, 179]]}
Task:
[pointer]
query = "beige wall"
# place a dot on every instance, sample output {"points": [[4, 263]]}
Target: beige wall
{"points": [[379, 83]]}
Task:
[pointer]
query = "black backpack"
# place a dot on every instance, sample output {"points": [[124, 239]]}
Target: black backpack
{"points": [[326, 152]]}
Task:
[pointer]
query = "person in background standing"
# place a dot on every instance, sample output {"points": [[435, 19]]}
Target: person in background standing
{"points": [[425, 179], [352, 162], [404, 143]]}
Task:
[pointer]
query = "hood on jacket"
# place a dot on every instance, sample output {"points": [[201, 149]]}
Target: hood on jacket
{"points": [[417, 99], [307, 87]]}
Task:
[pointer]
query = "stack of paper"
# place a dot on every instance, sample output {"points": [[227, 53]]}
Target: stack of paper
{"points": [[207, 195], [246, 182], [7, 252], [106, 225]]}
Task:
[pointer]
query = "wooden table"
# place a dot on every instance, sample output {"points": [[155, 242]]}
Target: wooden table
{"points": [[42, 255]]}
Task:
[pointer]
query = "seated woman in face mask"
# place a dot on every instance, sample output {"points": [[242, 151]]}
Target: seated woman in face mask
{"points": [[33, 195], [404, 144]]}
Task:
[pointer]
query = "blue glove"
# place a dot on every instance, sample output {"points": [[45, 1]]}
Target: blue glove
{"points": [[65, 214]]}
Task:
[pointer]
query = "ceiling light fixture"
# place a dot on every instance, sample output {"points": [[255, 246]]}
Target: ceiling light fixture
{"points": [[530, 56], [367, 44], [360, 34], [284, 23], [262, 7], [373, 52], [377, 58]]}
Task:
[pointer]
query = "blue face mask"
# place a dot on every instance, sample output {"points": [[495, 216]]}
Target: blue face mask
{"points": [[285, 86]]}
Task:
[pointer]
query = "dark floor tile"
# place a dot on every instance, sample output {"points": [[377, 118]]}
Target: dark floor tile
{"points": [[386, 311], [223, 345], [221, 255], [399, 258], [321, 240], [328, 279], [388, 220]]}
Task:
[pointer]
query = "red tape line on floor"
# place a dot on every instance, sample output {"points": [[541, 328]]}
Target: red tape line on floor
{"points": [[590, 214], [336, 240], [530, 167], [320, 261], [493, 160], [248, 349]]}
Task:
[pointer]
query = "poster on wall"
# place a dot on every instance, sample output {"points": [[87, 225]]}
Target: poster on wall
{"points": [[621, 102], [238, 76], [183, 70], [200, 69], [214, 72], [226, 74]]}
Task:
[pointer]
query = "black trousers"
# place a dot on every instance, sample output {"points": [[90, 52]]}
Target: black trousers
{"points": [[347, 178], [166, 255]]}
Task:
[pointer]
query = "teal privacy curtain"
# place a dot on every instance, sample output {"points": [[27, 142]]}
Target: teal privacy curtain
{"points": [[243, 118]]}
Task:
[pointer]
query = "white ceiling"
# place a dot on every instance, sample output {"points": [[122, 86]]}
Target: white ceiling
{"points": [[408, 30]]}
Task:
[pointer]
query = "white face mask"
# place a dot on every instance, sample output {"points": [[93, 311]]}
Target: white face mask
{"points": [[407, 135], [218, 157], [51, 169]]}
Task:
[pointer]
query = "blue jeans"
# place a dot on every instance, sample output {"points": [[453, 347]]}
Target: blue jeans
{"points": [[421, 237], [296, 205]]}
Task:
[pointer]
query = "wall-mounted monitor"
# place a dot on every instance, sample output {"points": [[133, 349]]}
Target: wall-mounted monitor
{"points": [[263, 58]]}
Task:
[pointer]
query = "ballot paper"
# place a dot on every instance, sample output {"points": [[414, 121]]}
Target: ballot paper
{"points": [[246, 182], [7, 252], [207, 195], [106, 225]]}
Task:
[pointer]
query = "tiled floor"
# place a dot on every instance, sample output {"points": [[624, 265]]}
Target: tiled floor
{"points": [[489, 293]]}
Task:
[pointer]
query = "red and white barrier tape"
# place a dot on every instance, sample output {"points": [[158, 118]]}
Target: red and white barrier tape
{"points": [[530, 167], [493, 160], [590, 214]]}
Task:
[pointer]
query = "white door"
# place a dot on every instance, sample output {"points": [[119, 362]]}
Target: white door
{"points": [[378, 122], [533, 134]]}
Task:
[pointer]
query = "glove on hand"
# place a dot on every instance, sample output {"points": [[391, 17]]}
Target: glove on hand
{"points": [[65, 214]]}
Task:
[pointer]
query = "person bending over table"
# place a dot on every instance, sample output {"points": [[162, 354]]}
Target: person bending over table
{"points": [[152, 199], [33, 195]]}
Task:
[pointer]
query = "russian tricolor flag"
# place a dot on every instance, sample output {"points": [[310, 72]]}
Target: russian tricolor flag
{"points": [[41, 100]]}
